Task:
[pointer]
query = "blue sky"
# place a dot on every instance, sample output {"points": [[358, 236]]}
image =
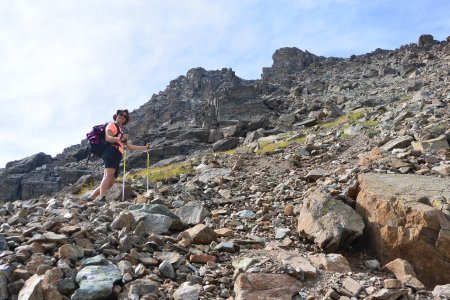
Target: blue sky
{"points": [[68, 65]]}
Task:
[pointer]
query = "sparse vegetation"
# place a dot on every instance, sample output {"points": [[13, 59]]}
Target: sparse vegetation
{"points": [[371, 133], [164, 173], [266, 148], [370, 123], [405, 98], [439, 129], [355, 116], [86, 188]]}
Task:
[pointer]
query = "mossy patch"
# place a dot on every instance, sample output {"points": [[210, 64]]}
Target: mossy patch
{"points": [[164, 173], [86, 188], [266, 148]]}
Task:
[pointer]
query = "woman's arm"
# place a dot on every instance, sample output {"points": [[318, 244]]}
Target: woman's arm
{"points": [[136, 147], [110, 138]]}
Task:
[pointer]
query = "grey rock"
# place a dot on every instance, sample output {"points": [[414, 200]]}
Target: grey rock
{"points": [[400, 142], [193, 213], [186, 291], [225, 144], [3, 243], [227, 246], [210, 174], [153, 223], [246, 214], [94, 261], [66, 286], [442, 291], [331, 223], [281, 233], [167, 269], [142, 287], [124, 220], [96, 282], [140, 210], [4, 294]]}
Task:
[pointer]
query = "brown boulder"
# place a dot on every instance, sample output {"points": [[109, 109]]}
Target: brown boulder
{"points": [[266, 286], [402, 223]]}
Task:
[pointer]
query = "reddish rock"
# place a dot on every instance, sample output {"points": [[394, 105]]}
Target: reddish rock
{"points": [[202, 259], [201, 234], [402, 223], [266, 286]]}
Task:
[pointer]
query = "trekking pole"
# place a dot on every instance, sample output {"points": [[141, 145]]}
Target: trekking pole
{"points": [[148, 166], [124, 169]]}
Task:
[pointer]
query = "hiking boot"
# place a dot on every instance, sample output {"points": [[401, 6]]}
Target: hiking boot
{"points": [[100, 199], [87, 197]]}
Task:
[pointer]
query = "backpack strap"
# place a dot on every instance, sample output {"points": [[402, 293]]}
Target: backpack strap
{"points": [[116, 145], [118, 129]]}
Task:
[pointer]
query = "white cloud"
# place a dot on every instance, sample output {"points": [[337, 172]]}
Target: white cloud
{"points": [[67, 65]]}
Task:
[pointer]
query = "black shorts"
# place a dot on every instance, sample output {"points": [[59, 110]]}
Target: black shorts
{"points": [[111, 159]]}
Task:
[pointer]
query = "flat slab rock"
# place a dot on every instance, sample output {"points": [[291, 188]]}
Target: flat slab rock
{"points": [[266, 286]]}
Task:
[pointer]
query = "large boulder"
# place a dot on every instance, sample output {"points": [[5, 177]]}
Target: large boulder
{"points": [[402, 223], [331, 223]]}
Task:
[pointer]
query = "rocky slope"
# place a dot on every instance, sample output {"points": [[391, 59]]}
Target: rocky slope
{"points": [[339, 188]]}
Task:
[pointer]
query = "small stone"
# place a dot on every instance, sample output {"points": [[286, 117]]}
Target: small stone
{"points": [[289, 210], [224, 232], [352, 286], [372, 264], [227, 246], [202, 259], [66, 286], [332, 262], [370, 290], [167, 269], [21, 274], [201, 234], [124, 220], [186, 291], [442, 291], [70, 252], [246, 214], [392, 283], [315, 174], [281, 233], [332, 294]]}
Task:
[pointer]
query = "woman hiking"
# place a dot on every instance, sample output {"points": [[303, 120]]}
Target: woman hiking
{"points": [[116, 138]]}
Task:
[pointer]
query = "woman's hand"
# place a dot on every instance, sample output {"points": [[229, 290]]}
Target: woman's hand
{"points": [[124, 137]]}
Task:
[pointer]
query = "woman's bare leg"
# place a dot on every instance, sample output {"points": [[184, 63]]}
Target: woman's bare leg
{"points": [[107, 181]]}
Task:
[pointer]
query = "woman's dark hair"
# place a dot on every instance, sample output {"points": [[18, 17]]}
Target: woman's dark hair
{"points": [[122, 112]]}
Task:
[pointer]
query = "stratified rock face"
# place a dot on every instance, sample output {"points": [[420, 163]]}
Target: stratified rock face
{"points": [[32, 177], [402, 223], [201, 98]]}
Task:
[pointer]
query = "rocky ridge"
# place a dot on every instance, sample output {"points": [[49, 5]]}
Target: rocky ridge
{"points": [[350, 202]]}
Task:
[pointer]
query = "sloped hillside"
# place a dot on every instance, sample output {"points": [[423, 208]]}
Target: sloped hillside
{"points": [[328, 178]]}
